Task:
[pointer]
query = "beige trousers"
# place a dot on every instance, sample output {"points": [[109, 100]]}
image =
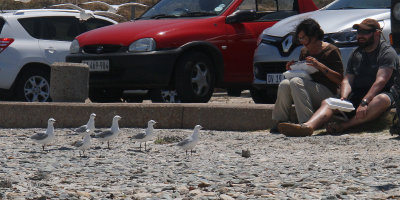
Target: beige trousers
{"points": [[306, 96]]}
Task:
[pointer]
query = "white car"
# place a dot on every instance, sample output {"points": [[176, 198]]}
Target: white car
{"points": [[30, 41], [277, 43]]}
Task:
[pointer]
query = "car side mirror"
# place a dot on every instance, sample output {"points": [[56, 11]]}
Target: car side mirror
{"points": [[241, 16]]}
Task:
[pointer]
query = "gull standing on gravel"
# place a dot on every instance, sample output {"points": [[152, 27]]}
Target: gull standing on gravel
{"points": [[109, 134], [82, 130], [45, 137], [84, 144], [190, 142], [146, 136]]}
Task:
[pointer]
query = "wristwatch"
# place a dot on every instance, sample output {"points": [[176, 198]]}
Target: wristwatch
{"points": [[364, 102]]}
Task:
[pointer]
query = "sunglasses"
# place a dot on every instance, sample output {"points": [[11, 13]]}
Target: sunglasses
{"points": [[365, 32]]}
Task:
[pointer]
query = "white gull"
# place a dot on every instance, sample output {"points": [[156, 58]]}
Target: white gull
{"points": [[87, 127], [146, 136], [46, 137], [84, 144], [109, 134], [190, 142]]}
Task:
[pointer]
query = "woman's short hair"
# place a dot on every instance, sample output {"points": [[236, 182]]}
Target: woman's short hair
{"points": [[311, 29]]}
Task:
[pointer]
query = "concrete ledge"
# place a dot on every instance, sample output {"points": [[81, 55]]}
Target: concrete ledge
{"points": [[234, 117]]}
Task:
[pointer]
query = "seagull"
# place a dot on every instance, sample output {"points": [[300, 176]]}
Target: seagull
{"points": [[110, 134], [88, 127], [191, 141], [146, 136], [83, 144], [47, 136], [84, 14], [115, 8]]}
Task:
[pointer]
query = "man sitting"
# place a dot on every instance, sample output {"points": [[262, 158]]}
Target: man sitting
{"points": [[366, 84]]}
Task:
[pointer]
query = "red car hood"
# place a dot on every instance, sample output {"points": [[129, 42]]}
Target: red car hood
{"points": [[128, 32]]}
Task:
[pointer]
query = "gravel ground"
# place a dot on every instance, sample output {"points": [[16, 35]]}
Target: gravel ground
{"points": [[352, 166]]}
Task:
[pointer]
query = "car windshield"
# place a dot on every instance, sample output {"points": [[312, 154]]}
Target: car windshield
{"points": [[358, 4], [186, 8]]}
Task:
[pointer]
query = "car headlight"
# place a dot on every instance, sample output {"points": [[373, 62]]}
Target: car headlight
{"points": [[144, 44], [396, 11], [74, 48], [347, 37]]}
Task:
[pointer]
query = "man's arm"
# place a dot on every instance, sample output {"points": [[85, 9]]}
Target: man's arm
{"points": [[345, 87], [382, 77]]}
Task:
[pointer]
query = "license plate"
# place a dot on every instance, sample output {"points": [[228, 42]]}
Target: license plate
{"points": [[273, 79], [98, 65]]}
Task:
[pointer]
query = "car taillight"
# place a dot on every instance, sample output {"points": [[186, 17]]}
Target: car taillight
{"points": [[4, 43]]}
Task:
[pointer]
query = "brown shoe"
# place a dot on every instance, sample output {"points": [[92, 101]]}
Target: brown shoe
{"points": [[295, 130]]}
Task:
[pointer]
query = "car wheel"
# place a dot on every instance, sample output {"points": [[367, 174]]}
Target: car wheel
{"points": [[233, 92], [261, 96], [34, 86], [164, 96], [194, 78], [105, 95]]}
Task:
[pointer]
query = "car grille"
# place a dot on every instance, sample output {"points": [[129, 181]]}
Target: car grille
{"points": [[99, 49], [285, 44], [262, 69]]}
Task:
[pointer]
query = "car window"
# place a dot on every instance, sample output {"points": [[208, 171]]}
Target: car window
{"points": [[268, 5], [2, 22], [358, 4], [93, 23], [32, 26], [271, 10], [59, 28], [186, 8], [51, 28]]}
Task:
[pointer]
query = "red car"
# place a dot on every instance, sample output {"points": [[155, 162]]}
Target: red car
{"points": [[180, 50]]}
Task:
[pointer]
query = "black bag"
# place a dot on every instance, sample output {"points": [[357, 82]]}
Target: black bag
{"points": [[395, 91]]}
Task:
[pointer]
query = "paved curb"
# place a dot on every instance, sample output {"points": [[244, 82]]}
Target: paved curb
{"points": [[232, 117]]}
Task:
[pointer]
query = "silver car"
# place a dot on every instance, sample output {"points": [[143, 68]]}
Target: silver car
{"points": [[277, 44]]}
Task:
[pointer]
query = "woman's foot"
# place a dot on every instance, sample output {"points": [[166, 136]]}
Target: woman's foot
{"points": [[295, 130]]}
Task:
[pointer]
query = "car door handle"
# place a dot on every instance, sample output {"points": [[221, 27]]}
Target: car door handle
{"points": [[50, 50]]}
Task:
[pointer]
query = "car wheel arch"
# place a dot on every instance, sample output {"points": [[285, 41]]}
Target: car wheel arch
{"points": [[30, 66], [25, 69], [209, 49]]}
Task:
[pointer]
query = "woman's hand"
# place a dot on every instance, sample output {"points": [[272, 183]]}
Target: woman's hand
{"points": [[288, 64], [311, 61]]}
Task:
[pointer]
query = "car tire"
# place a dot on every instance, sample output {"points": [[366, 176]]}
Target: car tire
{"points": [[260, 96], [164, 96], [33, 86], [105, 95], [194, 78], [233, 92]]}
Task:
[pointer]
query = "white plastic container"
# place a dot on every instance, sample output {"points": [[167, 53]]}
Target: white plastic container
{"points": [[297, 73], [302, 65], [338, 104]]}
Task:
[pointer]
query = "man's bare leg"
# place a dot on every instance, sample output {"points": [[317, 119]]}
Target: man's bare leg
{"points": [[376, 107]]}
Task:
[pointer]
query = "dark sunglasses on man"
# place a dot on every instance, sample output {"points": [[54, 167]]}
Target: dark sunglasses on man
{"points": [[365, 32]]}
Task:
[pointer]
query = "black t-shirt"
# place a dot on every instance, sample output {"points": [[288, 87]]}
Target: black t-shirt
{"points": [[364, 66]]}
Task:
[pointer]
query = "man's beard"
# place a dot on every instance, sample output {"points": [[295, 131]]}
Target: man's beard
{"points": [[367, 43]]}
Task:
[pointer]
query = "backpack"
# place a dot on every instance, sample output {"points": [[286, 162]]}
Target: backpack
{"points": [[395, 91]]}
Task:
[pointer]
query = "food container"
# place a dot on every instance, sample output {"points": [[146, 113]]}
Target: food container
{"points": [[302, 65], [297, 73], [338, 104]]}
